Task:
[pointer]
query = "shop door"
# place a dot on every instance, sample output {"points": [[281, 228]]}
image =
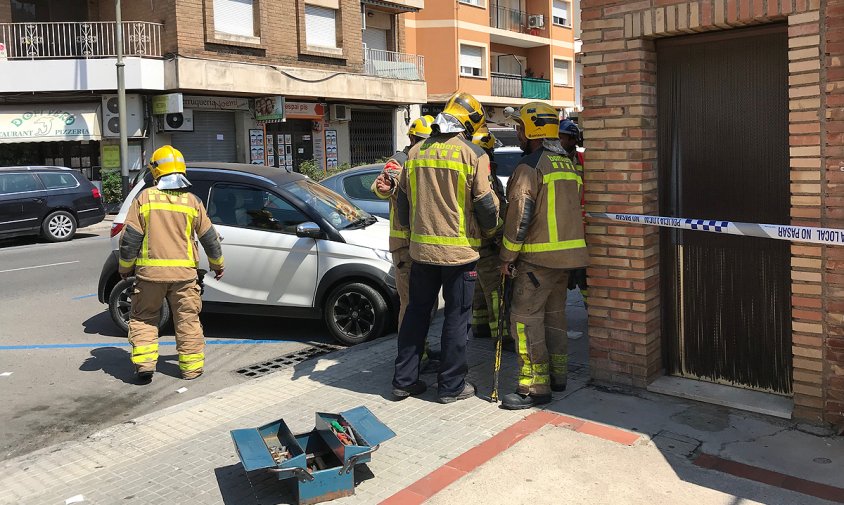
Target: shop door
{"points": [[214, 137], [723, 154], [371, 133], [289, 143]]}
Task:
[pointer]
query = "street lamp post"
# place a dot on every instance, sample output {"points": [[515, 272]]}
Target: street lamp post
{"points": [[121, 102]]}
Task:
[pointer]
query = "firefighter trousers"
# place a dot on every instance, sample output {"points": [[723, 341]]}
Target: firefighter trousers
{"points": [[185, 305], [538, 323], [402, 262], [485, 304]]}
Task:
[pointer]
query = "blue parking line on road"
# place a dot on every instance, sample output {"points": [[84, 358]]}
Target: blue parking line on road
{"points": [[84, 296], [127, 344]]}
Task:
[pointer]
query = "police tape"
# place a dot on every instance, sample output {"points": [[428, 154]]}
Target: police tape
{"points": [[803, 234]]}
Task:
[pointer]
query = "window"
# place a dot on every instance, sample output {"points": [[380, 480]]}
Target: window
{"points": [[58, 180], [476, 3], [250, 207], [359, 186], [235, 17], [18, 183], [560, 13], [320, 26], [471, 60], [561, 73]]}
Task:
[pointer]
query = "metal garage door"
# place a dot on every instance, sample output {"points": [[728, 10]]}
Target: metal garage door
{"points": [[213, 137], [371, 133]]}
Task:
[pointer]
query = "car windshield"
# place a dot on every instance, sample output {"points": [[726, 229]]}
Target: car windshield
{"points": [[506, 163], [332, 207]]}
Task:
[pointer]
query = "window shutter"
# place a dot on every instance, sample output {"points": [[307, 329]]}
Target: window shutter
{"points": [[561, 72], [560, 13], [471, 56], [236, 17], [320, 26]]}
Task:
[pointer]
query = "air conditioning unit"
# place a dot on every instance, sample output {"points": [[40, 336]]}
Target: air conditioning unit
{"points": [[134, 116], [341, 113], [537, 21], [178, 122]]}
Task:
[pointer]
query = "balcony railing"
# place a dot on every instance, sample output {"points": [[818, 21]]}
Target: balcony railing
{"points": [[513, 20], [30, 41], [392, 65], [520, 87]]}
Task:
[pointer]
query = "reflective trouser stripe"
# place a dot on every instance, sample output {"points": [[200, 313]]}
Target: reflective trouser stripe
{"points": [[530, 374], [189, 362], [479, 317], [145, 353], [495, 316], [559, 364]]}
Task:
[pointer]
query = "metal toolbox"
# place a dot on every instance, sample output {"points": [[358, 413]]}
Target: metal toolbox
{"points": [[322, 460]]}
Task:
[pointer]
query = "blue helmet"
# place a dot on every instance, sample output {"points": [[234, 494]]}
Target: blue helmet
{"points": [[568, 127]]}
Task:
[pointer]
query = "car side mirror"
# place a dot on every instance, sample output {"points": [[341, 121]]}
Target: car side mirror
{"points": [[309, 230]]}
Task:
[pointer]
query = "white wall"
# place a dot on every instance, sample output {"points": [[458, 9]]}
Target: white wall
{"points": [[79, 75]]}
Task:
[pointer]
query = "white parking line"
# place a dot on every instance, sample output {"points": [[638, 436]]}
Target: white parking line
{"points": [[39, 266]]}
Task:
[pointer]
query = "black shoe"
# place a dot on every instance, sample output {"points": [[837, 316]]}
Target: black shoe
{"points": [[143, 378], [516, 401], [468, 392], [415, 389], [558, 387]]}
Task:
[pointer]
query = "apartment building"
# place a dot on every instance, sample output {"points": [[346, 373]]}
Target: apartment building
{"points": [[505, 52], [250, 81]]}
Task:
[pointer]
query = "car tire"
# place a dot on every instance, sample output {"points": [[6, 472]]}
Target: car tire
{"points": [[59, 226], [120, 305], [356, 312]]}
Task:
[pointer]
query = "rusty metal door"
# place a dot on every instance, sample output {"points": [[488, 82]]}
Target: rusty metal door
{"points": [[723, 154]]}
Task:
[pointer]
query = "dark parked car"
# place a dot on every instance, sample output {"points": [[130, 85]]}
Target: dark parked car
{"points": [[354, 184], [48, 201]]}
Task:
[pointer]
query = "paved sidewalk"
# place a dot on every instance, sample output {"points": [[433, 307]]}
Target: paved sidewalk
{"points": [[468, 452]]}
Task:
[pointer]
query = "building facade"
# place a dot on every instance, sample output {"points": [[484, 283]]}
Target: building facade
{"points": [[505, 52], [718, 110], [277, 82]]}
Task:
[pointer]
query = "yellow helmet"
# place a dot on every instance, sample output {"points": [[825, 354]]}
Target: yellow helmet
{"points": [[466, 109], [165, 161], [538, 120], [421, 127], [484, 138]]}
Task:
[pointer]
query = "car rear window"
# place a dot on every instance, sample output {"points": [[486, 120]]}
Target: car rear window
{"points": [[507, 163], [54, 180], [358, 186], [18, 183]]}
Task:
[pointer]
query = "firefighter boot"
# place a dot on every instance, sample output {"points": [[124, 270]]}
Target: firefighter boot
{"points": [[518, 401], [143, 378]]}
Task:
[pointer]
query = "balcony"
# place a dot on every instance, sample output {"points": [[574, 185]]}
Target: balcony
{"points": [[79, 56], [517, 28], [30, 41], [393, 65], [515, 86]]}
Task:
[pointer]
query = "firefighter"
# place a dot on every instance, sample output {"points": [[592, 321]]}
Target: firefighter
{"points": [[158, 245], [485, 315], [446, 201], [543, 240], [570, 136]]}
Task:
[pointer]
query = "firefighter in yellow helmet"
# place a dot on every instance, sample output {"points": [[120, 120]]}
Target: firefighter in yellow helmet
{"points": [[446, 201], [158, 245], [485, 316], [543, 238]]}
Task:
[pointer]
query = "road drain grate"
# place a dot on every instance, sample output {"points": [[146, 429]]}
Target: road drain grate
{"points": [[287, 360]]}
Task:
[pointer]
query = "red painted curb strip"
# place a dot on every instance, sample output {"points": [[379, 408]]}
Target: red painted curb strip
{"points": [[455, 469]]}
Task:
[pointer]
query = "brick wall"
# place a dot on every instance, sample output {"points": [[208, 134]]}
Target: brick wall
{"points": [[619, 99]]}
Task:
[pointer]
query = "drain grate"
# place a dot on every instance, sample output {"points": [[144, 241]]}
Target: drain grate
{"points": [[287, 360]]}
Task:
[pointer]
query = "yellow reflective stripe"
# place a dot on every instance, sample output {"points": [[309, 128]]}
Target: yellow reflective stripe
{"points": [[521, 340], [127, 264], [399, 233], [559, 364], [144, 353], [187, 358], [511, 246], [461, 201], [152, 262], [447, 164], [447, 241], [145, 358], [551, 246], [216, 261], [189, 362], [188, 227], [172, 207], [562, 176], [144, 349], [552, 212]]}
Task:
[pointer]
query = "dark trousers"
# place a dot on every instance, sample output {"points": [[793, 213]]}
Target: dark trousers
{"points": [[458, 284]]}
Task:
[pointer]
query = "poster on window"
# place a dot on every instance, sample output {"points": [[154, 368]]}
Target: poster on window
{"points": [[256, 147], [270, 160], [331, 148]]}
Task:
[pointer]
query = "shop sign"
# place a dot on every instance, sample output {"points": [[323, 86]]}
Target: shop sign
{"points": [[271, 108], [303, 110], [171, 103], [45, 123], [215, 103]]}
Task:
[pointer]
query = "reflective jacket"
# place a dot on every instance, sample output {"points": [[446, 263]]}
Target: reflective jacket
{"points": [[399, 235], [446, 200], [490, 246], [158, 239], [544, 225]]}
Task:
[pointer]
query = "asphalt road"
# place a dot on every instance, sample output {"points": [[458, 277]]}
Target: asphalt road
{"points": [[84, 381]]}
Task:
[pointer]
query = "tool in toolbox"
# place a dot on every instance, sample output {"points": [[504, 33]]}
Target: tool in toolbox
{"points": [[322, 460]]}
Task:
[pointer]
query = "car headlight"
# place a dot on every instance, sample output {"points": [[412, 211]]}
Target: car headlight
{"points": [[383, 254]]}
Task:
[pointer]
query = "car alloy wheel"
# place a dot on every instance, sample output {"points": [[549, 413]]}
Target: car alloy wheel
{"points": [[120, 305], [356, 312], [354, 315], [59, 226]]}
